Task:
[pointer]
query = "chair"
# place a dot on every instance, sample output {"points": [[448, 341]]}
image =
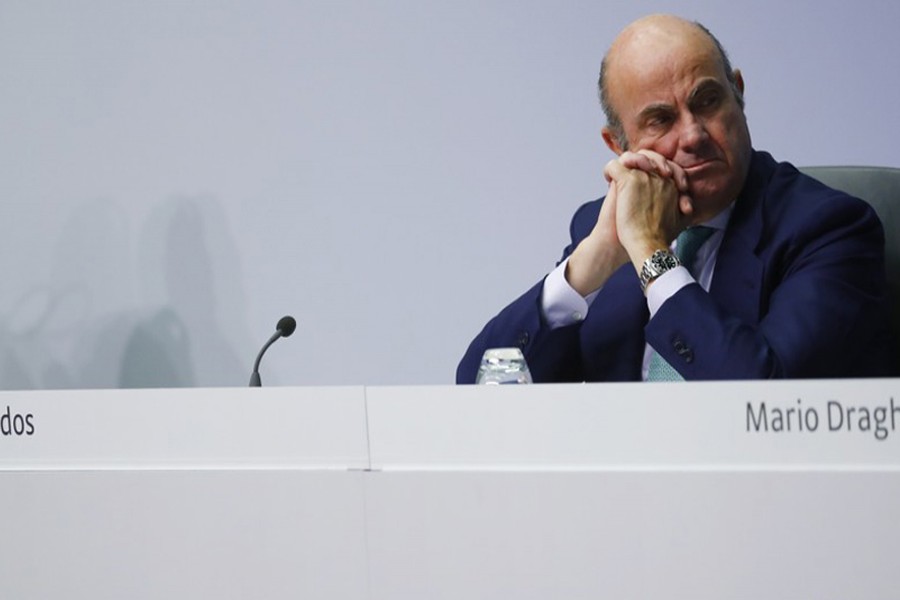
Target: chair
{"points": [[880, 187]]}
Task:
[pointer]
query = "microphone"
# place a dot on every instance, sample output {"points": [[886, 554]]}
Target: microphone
{"points": [[285, 327]]}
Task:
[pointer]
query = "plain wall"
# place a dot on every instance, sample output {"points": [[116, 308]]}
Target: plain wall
{"points": [[176, 176]]}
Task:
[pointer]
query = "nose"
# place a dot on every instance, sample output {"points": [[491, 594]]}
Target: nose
{"points": [[693, 134]]}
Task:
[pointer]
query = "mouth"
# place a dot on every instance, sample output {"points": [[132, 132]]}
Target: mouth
{"points": [[698, 166]]}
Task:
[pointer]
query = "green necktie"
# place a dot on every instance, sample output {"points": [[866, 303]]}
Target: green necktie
{"points": [[688, 244]]}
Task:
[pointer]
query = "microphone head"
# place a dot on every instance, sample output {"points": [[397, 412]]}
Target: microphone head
{"points": [[286, 325]]}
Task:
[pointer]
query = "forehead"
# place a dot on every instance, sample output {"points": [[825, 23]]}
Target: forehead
{"points": [[654, 67]]}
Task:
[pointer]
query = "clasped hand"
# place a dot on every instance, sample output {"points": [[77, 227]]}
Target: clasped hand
{"points": [[647, 206]]}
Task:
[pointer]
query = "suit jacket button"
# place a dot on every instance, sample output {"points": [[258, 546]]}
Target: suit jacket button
{"points": [[683, 351], [523, 339]]}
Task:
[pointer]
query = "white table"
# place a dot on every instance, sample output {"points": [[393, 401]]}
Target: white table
{"points": [[560, 491]]}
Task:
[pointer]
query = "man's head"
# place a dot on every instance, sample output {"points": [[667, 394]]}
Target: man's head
{"points": [[666, 85]]}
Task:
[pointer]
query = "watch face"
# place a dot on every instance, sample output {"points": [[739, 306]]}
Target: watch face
{"points": [[660, 262], [663, 261]]}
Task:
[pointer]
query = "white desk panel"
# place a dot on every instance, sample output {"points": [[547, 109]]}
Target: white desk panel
{"points": [[317, 427], [182, 535], [735, 425], [678, 535], [378, 493]]}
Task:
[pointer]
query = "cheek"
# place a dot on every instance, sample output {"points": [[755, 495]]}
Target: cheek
{"points": [[728, 136], [666, 145], [721, 142]]}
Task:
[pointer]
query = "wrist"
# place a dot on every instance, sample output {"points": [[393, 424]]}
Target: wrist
{"points": [[588, 268], [640, 251], [658, 263]]}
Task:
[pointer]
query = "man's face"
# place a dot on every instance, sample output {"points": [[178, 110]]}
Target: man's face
{"points": [[672, 96]]}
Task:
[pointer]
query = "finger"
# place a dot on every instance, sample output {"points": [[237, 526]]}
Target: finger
{"points": [[614, 169], [685, 205], [661, 165], [643, 162], [611, 197], [608, 210], [680, 177]]}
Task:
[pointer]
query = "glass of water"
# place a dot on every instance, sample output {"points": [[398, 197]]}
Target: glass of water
{"points": [[501, 366]]}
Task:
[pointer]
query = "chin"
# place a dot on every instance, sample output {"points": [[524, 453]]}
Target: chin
{"points": [[708, 205], [714, 194]]}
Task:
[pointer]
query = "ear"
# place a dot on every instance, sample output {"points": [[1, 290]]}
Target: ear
{"points": [[612, 140], [739, 81]]}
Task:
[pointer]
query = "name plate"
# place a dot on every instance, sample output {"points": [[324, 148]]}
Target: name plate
{"points": [[317, 427], [821, 424], [808, 424]]}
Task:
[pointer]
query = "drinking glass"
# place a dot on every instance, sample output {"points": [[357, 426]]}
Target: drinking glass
{"points": [[502, 366]]}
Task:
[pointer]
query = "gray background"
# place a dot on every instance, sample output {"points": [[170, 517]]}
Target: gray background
{"points": [[175, 176]]}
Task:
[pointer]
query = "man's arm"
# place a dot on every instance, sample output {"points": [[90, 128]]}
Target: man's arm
{"points": [[814, 307], [552, 354], [596, 252]]}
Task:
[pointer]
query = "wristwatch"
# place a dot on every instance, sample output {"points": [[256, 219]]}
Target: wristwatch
{"points": [[658, 263]]}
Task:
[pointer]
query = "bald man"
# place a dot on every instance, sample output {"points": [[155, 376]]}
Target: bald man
{"points": [[706, 259]]}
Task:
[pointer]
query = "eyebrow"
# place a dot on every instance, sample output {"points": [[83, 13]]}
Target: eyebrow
{"points": [[655, 109], [706, 84]]}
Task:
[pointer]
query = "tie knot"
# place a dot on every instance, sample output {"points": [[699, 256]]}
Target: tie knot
{"points": [[689, 242]]}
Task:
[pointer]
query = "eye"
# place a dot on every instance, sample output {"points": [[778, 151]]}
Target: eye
{"points": [[657, 120], [708, 100]]}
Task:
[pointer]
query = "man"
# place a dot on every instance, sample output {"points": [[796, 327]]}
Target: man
{"points": [[788, 280]]}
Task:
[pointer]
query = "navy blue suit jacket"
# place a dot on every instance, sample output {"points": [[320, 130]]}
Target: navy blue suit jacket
{"points": [[798, 291]]}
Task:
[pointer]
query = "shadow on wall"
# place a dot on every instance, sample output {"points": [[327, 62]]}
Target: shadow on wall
{"points": [[100, 322], [190, 266], [157, 353], [134, 351], [29, 358]]}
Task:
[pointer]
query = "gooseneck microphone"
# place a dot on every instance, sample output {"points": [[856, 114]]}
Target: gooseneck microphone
{"points": [[285, 327]]}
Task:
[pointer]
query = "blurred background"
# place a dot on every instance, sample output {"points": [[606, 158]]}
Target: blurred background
{"points": [[177, 175]]}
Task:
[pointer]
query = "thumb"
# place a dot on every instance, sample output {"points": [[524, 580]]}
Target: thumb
{"points": [[685, 205]]}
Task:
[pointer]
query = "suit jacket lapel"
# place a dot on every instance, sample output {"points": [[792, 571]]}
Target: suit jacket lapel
{"points": [[738, 276]]}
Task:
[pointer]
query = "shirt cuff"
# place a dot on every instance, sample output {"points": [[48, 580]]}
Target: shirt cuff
{"points": [[562, 305], [667, 285]]}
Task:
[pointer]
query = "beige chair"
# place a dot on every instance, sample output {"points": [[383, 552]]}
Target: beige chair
{"points": [[880, 187]]}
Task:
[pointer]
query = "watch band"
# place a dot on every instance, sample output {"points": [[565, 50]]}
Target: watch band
{"points": [[658, 263]]}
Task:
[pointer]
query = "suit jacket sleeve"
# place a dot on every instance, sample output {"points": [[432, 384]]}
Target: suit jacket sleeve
{"points": [[553, 355], [804, 298]]}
